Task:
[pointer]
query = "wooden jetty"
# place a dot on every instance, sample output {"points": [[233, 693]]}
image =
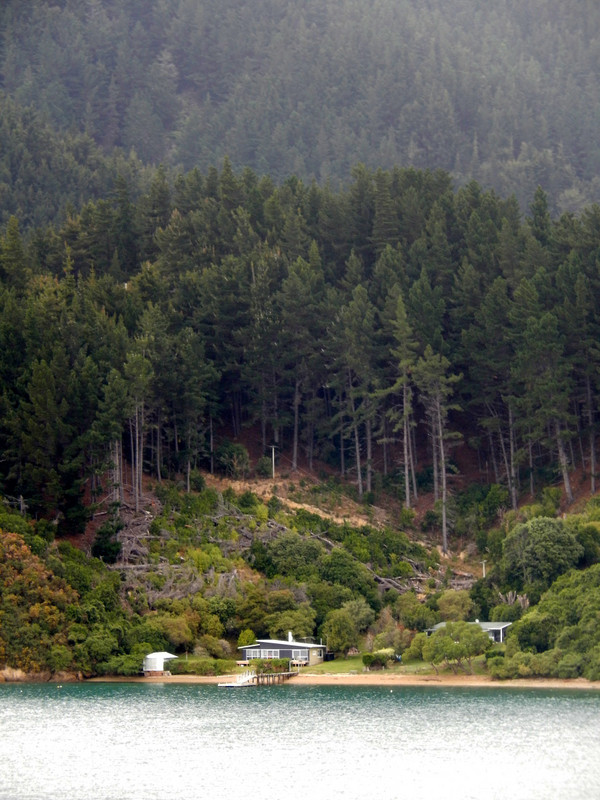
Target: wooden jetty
{"points": [[251, 678]]}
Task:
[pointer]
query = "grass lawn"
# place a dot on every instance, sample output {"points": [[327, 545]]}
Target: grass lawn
{"points": [[355, 664], [350, 664]]}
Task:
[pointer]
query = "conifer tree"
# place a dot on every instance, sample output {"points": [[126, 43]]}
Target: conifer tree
{"points": [[435, 386]]}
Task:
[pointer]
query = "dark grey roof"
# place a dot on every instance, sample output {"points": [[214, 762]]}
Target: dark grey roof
{"points": [[282, 643]]}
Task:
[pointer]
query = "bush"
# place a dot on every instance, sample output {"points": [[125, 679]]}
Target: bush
{"points": [[217, 648], [379, 659], [246, 636], [232, 458], [202, 666], [247, 501], [264, 467], [269, 665], [570, 666], [105, 545], [197, 481], [491, 654]]}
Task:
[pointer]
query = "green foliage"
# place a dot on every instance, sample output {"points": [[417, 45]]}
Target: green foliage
{"points": [[246, 637], [361, 612], [300, 620], [538, 551], [197, 481], [339, 631], [247, 501], [217, 648], [415, 651], [561, 636], [455, 643], [454, 605], [232, 459], [379, 659], [340, 567], [270, 665], [290, 555], [264, 467], [201, 666], [412, 613], [105, 546]]}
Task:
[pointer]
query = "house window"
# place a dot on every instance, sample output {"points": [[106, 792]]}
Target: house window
{"points": [[299, 655], [262, 654]]}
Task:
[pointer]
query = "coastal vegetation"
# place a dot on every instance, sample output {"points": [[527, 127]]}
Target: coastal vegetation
{"points": [[209, 576], [301, 342]]}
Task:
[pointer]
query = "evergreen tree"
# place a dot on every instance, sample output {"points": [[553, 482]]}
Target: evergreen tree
{"points": [[435, 389]]}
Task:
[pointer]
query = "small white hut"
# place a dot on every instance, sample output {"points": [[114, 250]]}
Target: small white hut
{"points": [[154, 664]]}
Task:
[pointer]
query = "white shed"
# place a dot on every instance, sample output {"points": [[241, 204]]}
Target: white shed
{"points": [[154, 663]]}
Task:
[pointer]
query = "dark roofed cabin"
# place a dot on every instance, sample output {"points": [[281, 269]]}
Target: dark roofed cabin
{"points": [[299, 653]]}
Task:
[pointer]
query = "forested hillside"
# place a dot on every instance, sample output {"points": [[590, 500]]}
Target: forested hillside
{"points": [[502, 92], [372, 329]]}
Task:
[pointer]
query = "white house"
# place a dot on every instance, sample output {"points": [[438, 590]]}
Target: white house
{"points": [[154, 664]]}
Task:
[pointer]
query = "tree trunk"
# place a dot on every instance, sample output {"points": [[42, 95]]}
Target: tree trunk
{"points": [[132, 443], [212, 446], [296, 415], [158, 453], [385, 446], [406, 445], [440, 433], [369, 454], [493, 454], [531, 482], [562, 457], [412, 458], [590, 413], [434, 447], [513, 471], [357, 448]]}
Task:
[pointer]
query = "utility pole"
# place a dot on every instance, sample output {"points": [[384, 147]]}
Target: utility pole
{"points": [[273, 446], [484, 563]]}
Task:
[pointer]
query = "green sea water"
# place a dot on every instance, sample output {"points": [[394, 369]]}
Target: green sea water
{"points": [[119, 741]]}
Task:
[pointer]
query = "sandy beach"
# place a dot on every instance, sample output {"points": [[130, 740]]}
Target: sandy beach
{"points": [[384, 679]]}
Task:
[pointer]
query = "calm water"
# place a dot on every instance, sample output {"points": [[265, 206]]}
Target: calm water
{"points": [[166, 742]]}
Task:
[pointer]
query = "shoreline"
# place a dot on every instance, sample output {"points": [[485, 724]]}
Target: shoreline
{"points": [[381, 679]]}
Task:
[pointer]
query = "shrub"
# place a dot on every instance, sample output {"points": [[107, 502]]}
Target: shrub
{"points": [[217, 648], [264, 467], [105, 545], [246, 636], [232, 458], [269, 665], [247, 501], [380, 658], [197, 481], [491, 654], [570, 665]]}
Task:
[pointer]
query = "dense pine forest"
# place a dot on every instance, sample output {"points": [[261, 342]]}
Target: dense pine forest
{"points": [[502, 92], [262, 264], [368, 336], [374, 329]]}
